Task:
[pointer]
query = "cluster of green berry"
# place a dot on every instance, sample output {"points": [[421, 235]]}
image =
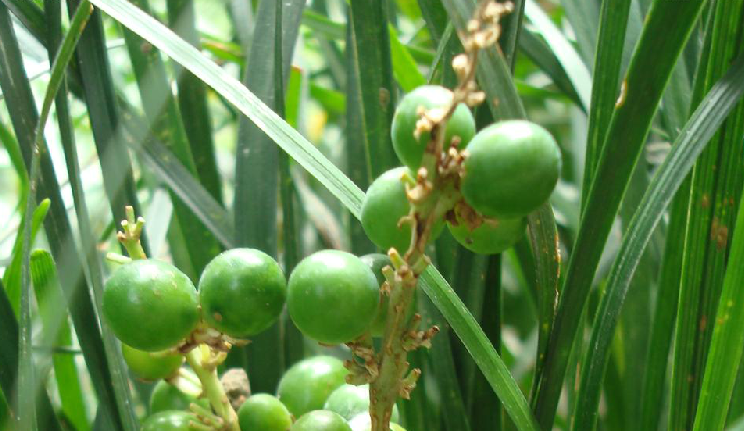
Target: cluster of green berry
{"points": [[314, 391], [161, 317], [497, 176]]}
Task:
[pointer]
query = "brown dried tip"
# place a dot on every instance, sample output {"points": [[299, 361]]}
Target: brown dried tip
{"points": [[237, 387]]}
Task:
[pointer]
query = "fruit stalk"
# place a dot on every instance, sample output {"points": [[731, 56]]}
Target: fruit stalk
{"points": [[434, 194], [206, 370]]}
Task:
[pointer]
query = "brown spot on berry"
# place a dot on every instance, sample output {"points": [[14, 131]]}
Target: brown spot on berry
{"points": [[217, 317]]}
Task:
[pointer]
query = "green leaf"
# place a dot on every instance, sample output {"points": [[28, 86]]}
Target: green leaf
{"points": [[370, 42], [404, 66], [693, 139], [12, 275], [649, 71], [99, 96], [726, 347], [56, 332], [339, 185], [715, 179], [192, 102], [605, 85], [569, 59]]}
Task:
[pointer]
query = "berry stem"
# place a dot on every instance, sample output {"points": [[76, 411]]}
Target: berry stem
{"points": [[435, 193], [130, 236], [200, 360]]}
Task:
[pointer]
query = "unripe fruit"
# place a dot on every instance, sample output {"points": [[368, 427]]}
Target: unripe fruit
{"points": [[384, 205], [242, 292], [308, 383], [149, 366], [150, 305], [362, 422], [264, 412], [350, 400], [409, 149], [320, 420], [377, 261], [491, 237], [511, 169], [333, 296], [165, 396], [172, 420]]}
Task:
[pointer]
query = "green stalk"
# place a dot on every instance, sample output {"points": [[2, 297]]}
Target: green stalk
{"points": [[206, 370]]}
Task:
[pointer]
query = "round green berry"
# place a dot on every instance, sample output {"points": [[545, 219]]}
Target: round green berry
{"points": [[333, 296], [362, 422], [511, 168], [384, 205], [307, 384], [151, 366], [491, 237], [320, 420], [150, 305], [172, 420], [350, 400], [377, 261], [410, 149], [264, 412], [165, 396], [242, 292]]}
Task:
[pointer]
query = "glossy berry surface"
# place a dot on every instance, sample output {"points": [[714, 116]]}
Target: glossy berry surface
{"points": [[165, 396], [149, 366], [264, 412], [333, 296], [150, 305], [307, 384], [242, 292], [350, 400], [511, 169], [377, 261], [409, 149], [171, 420], [362, 422], [383, 206], [320, 420], [491, 237]]}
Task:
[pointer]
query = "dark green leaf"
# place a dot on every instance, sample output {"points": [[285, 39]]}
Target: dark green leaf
{"points": [[693, 139]]}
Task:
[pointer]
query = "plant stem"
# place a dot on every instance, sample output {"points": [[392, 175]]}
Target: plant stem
{"points": [[207, 373]]}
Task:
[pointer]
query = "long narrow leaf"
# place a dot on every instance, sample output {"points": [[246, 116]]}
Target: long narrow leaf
{"points": [[693, 139], [652, 64]]}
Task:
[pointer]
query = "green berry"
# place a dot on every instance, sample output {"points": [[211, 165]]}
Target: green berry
{"points": [[377, 261], [150, 305], [172, 420], [264, 412], [362, 422], [242, 292], [511, 169], [409, 149], [350, 400], [320, 420], [148, 366], [491, 237], [333, 296], [308, 383], [165, 396], [384, 205]]}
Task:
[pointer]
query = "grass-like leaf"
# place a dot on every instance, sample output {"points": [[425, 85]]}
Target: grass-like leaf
{"points": [[693, 139], [726, 346], [339, 185], [649, 71], [56, 332], [605, 85]]}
